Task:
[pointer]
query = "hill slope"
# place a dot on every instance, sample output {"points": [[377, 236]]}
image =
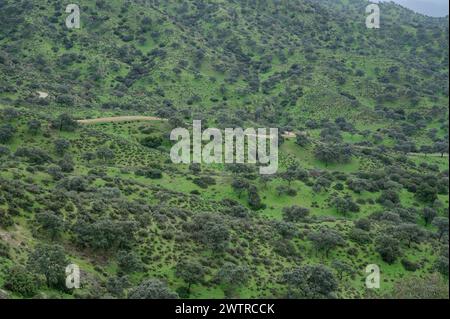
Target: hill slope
{"points": [[363, 178]]}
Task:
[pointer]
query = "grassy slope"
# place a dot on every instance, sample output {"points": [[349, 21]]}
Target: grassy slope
{"points": [[325, 46]]}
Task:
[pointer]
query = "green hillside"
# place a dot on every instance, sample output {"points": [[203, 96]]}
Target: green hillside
{"points": [[363, 176]]}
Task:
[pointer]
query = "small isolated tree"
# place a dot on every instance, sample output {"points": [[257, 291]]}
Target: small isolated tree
{"points": [[282, 189], [345, 205], [105, 234], [325, 239], [389, 197], [239, 185], [6, 133], [360, 236], [363, 223], [61, 146], [311, 282], [34, 126], [105, 154], [176, 122], [295, 213], [426, 193], [195, 168], [233, 276], [116, 286], [441, 147], [290, 175], [191, 272], [129, 261], [330, 154], [287, 230], [152, 289], [411, 233], [55, 172], [302, 140], [210, 230], [152, 141], [342, 268], [88, 156], [265, 179], [4, 151], [254, 200], [441, 223], [388, 247], [428, 215], [51, 222], [64, 122], [10, 114], [441, 263], [66, 164]]}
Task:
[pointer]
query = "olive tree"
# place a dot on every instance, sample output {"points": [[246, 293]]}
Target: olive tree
{"points": [[310, 281], [325, 239], [191, 272]]}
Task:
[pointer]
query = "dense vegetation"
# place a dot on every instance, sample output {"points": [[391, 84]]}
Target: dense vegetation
{"points": [[364, 180]]}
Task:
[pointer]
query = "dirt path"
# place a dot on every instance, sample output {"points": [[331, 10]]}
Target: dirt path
{"points": [[154, 118], [120, 119], [428, 155], [143, 118]]}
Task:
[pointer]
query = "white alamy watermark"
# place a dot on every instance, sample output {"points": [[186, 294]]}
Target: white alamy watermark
{"points": [[373, 18], [73, 276], [73, 19], [262, 147], [373, 279]]}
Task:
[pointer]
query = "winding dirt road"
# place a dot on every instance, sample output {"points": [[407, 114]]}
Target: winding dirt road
{"points": [[120, 119], [131, 118]]}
